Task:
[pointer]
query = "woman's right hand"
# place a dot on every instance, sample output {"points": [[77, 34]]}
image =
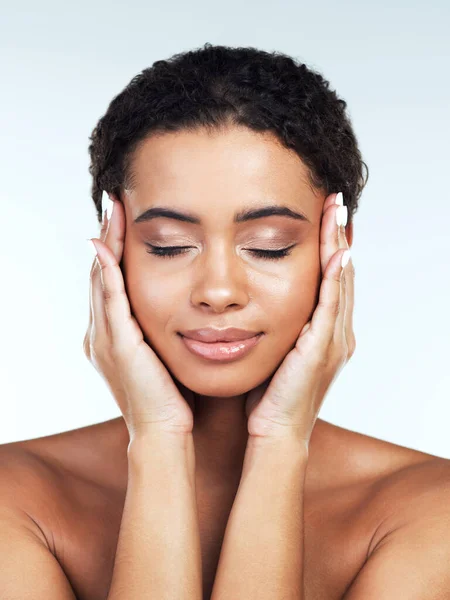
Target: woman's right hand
{"points": [[148, 397]]}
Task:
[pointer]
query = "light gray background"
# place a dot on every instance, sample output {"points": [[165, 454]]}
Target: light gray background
{"points": [[61, 66]]}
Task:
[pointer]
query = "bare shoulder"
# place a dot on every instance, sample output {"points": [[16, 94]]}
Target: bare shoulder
{"points": [[71, 487], [58, 477], [390, 485], [362, 491], [22, 491], [395, 503], [95, 454], [414, 499]]}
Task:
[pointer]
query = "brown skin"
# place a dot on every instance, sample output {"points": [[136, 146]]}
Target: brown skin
{"points": [[218, 282], [357, 489]]}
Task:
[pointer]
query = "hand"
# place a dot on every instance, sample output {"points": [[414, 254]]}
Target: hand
{"points": [[288, 403], [145, 392]]}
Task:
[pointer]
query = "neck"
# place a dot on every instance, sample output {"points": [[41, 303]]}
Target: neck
{"points": [[220, 436]]}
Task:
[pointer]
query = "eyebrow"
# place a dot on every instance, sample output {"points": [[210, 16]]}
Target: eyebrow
{"points": [[245, 215]]}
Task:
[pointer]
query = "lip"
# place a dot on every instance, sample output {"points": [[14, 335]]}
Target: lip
{"points": [[211, 334], [221, 351]]}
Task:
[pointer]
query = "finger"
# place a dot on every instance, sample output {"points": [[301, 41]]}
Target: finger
{"points": [[339, 330], [115, 299], [115, 232], [87, 336], [330, 234], [331, 239], [323, 322], [94, 272], [345, 325], [112, 234], [98, 319], [349, 275]]}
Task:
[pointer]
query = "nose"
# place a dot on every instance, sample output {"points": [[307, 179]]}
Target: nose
{"points": [[221, 281]]}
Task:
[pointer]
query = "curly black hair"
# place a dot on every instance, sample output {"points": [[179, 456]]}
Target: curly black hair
{"points": [[216, 86]]}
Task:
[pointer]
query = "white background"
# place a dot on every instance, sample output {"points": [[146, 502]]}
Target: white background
{"points": [[61, 66]]}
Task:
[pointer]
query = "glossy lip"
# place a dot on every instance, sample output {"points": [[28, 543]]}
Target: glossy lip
{"points": [[211, 334], [221, 351]]}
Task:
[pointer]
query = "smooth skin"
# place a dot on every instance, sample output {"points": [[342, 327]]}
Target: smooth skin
{"points": [[288, 406], [148, 398], [282, 414], [376, 515], [145, 393]]}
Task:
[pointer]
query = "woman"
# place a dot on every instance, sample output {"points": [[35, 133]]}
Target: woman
{"points": [[233, 177]]}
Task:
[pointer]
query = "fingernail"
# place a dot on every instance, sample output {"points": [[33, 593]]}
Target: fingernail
{"points": [[92, 247], [341, 216], [107, 206], [339, 199], [345, 258]]}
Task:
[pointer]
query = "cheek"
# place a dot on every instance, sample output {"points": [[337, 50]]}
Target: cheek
{"points": [[150, 299], [293, 302], [288, 304]]}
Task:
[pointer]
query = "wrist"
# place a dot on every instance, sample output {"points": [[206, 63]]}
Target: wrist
{"points": [[164, 448], [287, 452], [147, 436], [288, 440]]}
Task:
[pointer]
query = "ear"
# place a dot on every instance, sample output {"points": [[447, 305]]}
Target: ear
{"points": [[349, 233]]}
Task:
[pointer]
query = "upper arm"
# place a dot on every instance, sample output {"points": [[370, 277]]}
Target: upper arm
{"points": [[28, 569], [411, 562]]}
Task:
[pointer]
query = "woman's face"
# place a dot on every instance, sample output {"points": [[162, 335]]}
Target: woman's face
{"points": [[218, 281]]}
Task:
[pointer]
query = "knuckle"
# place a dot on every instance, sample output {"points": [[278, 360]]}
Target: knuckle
{"points": [[119, 354], [334, 307], [320, 357], [330, 305], [339, 352], [107, 294], [110, 295], [87, 341], [97, 352], [351, 346]]}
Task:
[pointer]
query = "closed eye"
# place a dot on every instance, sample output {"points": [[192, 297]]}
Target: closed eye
{"points": [[172, 251]]}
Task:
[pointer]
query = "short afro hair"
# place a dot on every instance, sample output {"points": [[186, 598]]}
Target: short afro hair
{"points": [[216, 86]]}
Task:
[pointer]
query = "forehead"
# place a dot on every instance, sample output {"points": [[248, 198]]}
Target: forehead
{"points": [[228, 167]]}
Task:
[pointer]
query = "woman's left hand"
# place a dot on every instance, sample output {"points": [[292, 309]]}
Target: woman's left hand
{"points": [[287, 404]]}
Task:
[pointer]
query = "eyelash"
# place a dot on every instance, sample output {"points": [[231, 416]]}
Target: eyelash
{"points": [[173, 251]]}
